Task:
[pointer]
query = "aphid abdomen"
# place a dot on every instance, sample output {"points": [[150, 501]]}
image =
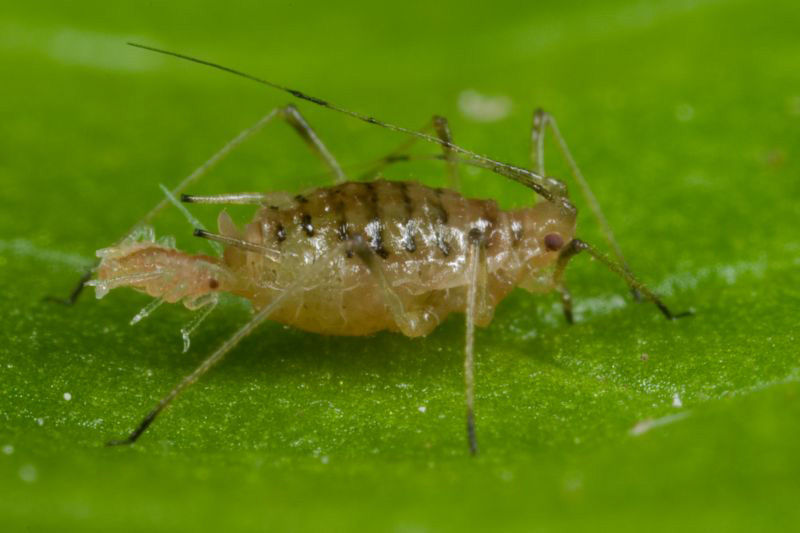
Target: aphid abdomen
{"points": [[419, 237]]}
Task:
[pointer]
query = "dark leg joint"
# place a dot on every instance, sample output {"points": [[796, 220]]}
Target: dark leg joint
{"points": [[360, 248], [673, 316], [70, 300], [476, 236], [136, 433], [566, 304], [576, 246], [471, 439]]}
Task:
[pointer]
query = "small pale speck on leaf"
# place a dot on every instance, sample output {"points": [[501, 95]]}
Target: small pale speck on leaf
{"points": [[676, 401], [27, 473], [482, 108], [684, 112]]}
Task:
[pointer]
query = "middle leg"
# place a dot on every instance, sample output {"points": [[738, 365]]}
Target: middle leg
{"points": [[476, 293], [442, 128], [409, 323]]}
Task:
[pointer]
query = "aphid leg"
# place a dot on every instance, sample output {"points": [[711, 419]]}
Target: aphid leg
{"points": [[76, 290], [537, 158], [146, 311], [400, 154], [576, 246], [566, 302], [203, 307], [199, 371], [301, 126], [242, 198], [476, 288], [188, 180], [288, 113], [195, 223], [442, 128], [541, 120], [476, 292], [287, 294]]}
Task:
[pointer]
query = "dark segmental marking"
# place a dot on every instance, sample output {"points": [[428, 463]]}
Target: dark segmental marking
{"points": [[280, 232], [305, 218], [408, 239], [342, 231], [443, 217], [490, 217], [475, 235], [381, 251], [396, 158], [341, 213], [516, 232], [304, 96], [376, 242], [305, 223]]}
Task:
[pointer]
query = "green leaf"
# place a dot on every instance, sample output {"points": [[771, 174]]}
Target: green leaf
{"points": [[683, 116]]}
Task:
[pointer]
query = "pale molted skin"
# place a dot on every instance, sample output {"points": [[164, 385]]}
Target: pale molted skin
{"points": [[419, 236]]}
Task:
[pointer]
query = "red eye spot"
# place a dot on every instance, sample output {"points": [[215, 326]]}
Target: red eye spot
{"points": [[213, 284], [553, 242]]}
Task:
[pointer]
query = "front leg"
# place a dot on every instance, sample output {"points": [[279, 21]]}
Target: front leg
{"points": [[541, 121]]}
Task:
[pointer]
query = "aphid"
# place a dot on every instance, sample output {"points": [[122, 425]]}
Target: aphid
{"points": [[359, 257]]}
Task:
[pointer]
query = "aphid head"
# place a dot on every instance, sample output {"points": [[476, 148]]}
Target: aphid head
{"points": [[159, 269], [545, 229]]}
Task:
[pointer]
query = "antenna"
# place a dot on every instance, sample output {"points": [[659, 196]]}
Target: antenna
{"points": [[521, 175]]}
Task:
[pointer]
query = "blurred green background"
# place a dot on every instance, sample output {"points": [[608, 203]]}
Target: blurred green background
{"points": [[683, 115]]}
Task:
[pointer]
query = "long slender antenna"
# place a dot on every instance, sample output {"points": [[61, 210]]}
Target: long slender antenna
{"points": [[522, 175]]}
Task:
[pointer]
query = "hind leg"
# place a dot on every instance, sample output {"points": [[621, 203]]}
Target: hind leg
{"points": [[294, 290], [288, 113], [188, 180], [292, 116], [409, 323]]}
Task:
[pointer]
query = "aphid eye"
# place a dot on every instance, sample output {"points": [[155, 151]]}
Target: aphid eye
{"points": [[213, 283], [553, 242]]}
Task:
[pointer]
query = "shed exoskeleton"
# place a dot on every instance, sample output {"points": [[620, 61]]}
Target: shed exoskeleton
{"points": [[359, 257]]}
